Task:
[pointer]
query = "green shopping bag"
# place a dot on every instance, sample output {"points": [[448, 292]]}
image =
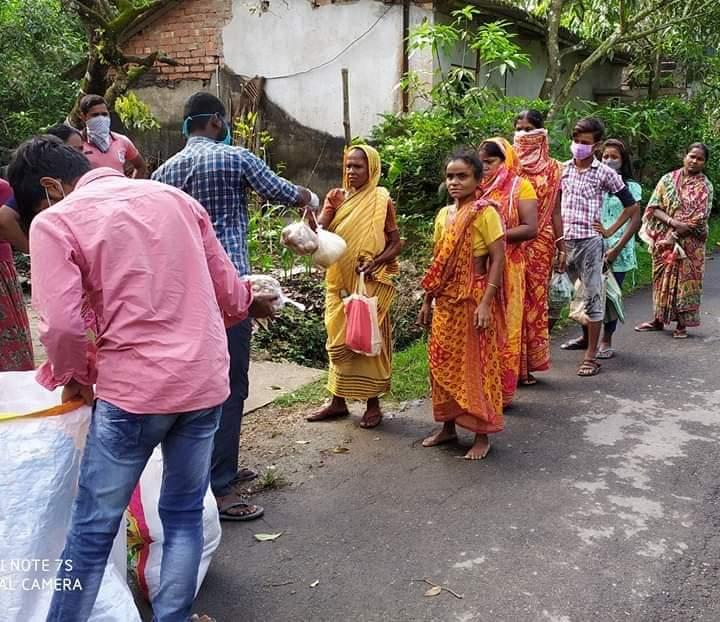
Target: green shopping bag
{"points": [[613, 298]]}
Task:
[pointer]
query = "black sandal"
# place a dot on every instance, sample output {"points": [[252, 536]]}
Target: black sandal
{"points": [[226, 515], [575, 344]]}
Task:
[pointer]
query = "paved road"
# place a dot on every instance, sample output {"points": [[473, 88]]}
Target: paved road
{"points": [[599, 502]]}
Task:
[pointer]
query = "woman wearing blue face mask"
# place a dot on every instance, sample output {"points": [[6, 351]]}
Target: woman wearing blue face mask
{"points": [[620, 246]]}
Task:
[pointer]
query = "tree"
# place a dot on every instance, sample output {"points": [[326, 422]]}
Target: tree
{"points": [[38, 41], [607, 28], [108, 24]]}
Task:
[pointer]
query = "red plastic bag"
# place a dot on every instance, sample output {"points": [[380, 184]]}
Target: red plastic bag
{"points": [[362, 328]]}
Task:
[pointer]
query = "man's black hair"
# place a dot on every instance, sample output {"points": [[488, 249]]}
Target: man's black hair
{"points": [[590, 125], [42, 156], [62, 131], [202, 104], [90, 101]]}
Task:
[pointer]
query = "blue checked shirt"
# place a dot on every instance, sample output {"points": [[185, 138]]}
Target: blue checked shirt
{"points": [[218, 177]]}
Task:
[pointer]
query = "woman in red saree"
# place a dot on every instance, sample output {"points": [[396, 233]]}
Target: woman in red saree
{"points": [[536, 165], [517, 205], [463, 283], [675, 226]]}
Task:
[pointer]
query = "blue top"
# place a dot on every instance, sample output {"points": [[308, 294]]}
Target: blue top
{"points": [[218, 176], [611, 210]]}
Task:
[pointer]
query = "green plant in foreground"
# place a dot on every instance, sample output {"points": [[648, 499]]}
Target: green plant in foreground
{"points": [[271, 479]]}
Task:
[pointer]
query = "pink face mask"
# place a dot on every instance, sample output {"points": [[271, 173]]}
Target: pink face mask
{"points": [[581, 152]]}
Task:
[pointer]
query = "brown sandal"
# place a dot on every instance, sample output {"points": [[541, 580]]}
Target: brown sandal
{"points": [[327, 414], [589, 367], [649, 327]]}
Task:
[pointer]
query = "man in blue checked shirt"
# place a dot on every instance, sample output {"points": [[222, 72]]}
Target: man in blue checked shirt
{"points": [[219, 176]]}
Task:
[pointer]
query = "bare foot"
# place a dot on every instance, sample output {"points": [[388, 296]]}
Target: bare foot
{"points": [[480, 449], [446, 434], [373, 415], [336, 409]]}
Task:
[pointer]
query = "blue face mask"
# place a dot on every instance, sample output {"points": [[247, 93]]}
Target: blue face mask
{"points": [[227, 139]]}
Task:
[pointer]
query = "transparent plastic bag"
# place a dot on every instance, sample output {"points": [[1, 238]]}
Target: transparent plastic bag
{"points": [[331, 247], [267, 285], [299, 238], [560, 293]]}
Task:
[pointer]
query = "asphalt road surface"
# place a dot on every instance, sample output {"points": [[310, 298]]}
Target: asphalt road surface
{"points": [[599, 502]]}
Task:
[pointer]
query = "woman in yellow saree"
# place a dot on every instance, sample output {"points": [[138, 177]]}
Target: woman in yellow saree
{"points": [[363, 214], [466, 321], [517, 205]]}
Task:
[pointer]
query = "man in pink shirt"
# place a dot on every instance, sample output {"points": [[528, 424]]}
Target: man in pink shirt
{"points": [[162, 287], [103, 147]]}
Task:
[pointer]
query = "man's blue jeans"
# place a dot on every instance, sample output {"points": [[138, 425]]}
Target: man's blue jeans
{"points": [[227, 439], [119, 445]]}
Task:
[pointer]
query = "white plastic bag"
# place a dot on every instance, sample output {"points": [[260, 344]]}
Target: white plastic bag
{"points": [[560, 292], [145, 531], [38, 480], [331, 247], [299, 238]]}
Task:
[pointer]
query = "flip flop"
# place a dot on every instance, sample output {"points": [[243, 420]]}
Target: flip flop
{"points": [[607, 353], [575, 344], [325, 415], [648, 327], [224, 515], [591, 367], [680, 333], [530, 381], [369, 426], [245, 475]]}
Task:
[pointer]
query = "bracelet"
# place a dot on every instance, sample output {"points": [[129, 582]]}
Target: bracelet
{"points": [[560, 239], [493, 285]]}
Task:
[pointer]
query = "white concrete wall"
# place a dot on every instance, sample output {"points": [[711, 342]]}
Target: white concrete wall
{"points": [[293, 36], [527, 81]]}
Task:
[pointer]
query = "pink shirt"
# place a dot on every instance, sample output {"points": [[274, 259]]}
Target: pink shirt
{"points": [[121, 150], [146, 256]]}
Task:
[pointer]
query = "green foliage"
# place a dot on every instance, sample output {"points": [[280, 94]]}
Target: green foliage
{"points": [[135, 114], [414, 146], [490, 42], [39, 41], [246, 133], [298, 336]]}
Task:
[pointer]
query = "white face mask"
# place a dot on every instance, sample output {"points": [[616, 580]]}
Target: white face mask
{"points": [[615, 165], [98, 132], [47, 194]]}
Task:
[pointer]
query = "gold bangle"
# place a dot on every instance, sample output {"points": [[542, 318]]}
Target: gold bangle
{"points": [[493, 285]]}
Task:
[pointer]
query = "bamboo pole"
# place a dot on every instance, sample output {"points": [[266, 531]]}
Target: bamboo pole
{"points": [[346, 106]]}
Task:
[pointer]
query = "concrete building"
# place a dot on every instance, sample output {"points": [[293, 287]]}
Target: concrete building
{"points": [[283, 60]]}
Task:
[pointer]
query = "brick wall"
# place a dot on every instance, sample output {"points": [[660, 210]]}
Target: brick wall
{"points": [[191, 33]]}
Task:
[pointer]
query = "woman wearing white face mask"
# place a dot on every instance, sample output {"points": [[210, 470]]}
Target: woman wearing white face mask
{"points": [[620, 255], [103, 147]]}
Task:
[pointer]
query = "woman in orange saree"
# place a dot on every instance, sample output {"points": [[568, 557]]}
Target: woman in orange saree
{"points": [[466, 321], [536, 165], [517, 204]]}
